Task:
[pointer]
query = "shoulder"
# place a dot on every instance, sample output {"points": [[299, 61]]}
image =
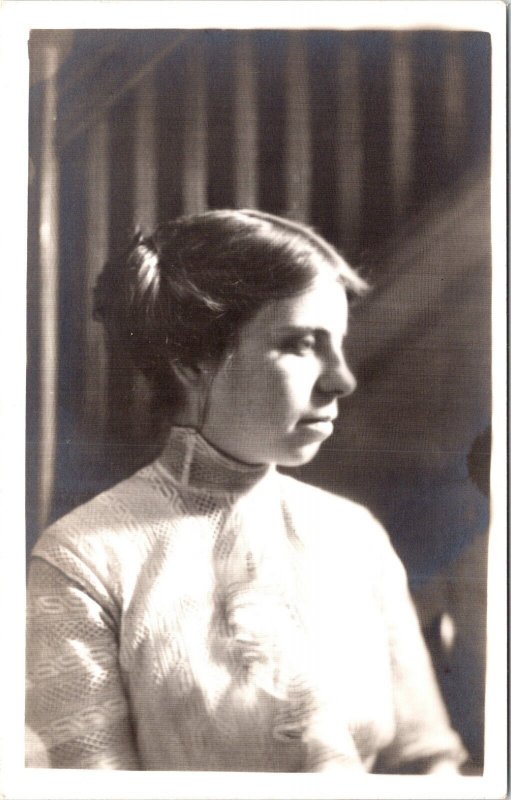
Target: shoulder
{"points": [[324, 505], [112, 529], [334, 522], [342, 537]]}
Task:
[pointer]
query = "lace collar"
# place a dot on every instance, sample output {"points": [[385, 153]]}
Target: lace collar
{"points": [[194, 463]]}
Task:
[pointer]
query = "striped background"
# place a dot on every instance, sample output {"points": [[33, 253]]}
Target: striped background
{"points": [[380, 139]]}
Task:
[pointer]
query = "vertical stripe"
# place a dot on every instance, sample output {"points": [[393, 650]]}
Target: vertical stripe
{"points": [[121, 167], [245, 125], [402, 120], [170, 145], [454, 97], [298, 145], [145, 154], [270, 49], [49, 259], [97, 247], [195, 133], [144, 209], [349, 144], [220, 97]]}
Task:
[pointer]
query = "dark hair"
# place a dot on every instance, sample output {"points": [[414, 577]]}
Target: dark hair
{"points": [[182, 294]]}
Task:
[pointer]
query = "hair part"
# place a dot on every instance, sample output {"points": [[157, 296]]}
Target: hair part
{"points": [[182, 295]]}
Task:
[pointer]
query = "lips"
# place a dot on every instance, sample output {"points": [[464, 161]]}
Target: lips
{"points": [[316, 420], [317, 427]]}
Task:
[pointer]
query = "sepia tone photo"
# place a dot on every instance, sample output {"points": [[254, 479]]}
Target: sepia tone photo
{"points": [[258, 400]]}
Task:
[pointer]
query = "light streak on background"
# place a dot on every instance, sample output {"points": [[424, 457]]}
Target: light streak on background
{"points": [[298, 145], [49, 259], [195, 135], [245, 121], [402, 120], [349, 146]]}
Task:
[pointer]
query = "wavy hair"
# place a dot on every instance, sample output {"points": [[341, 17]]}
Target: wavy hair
{"points": [[182, 294]]}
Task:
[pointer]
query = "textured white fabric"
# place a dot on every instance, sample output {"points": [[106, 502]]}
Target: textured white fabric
{"points": [[205, 614]]}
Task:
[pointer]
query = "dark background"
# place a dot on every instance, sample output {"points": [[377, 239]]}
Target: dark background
{"points": [[380, 139]]}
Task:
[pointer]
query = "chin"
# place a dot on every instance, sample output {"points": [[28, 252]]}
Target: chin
{"points": [[299, 456]]}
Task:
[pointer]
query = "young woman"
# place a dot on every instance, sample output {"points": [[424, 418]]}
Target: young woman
{"points": [[209, 613]]}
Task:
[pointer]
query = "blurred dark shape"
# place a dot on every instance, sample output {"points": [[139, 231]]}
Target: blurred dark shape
{"points": [[479, 460]]}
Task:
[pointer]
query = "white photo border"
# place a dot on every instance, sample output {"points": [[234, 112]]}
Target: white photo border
{"points": [[17, 18]]}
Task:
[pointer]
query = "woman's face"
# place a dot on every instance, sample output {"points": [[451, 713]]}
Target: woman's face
{"points": [[275, 398]]}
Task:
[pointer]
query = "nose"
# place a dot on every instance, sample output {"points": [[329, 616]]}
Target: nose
{"points": [[337, 378]]}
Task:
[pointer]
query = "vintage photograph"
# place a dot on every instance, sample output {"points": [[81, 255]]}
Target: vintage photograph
{"points": [[258, 399]]}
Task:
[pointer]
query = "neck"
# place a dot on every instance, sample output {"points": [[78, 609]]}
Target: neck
{"points": [[193, 415], [198, 464], [188, 416]]}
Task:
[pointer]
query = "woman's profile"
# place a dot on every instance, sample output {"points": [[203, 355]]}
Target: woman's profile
{"points": [[209, 612]]}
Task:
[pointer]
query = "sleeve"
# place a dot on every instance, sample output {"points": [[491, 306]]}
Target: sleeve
{"points": [[77, 712], [424, 740]]}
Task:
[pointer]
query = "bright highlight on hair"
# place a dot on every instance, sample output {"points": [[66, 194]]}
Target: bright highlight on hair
{"points": [[181, 295]]}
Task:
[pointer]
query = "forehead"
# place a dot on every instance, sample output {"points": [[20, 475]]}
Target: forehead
{"points": [[323, 306]]}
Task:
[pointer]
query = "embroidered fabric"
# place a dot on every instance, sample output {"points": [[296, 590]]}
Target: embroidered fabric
{"points": [[264, 641], [195, 464], [191, 616]]}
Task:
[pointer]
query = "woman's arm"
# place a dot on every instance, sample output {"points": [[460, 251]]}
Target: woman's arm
{"points": [[76, 702], [424, 740]]}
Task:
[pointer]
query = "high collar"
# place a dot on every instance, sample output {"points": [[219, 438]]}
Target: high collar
{"points": [[195, 464]]}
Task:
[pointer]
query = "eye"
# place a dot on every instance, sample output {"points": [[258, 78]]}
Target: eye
{"points": [[300, 345]]}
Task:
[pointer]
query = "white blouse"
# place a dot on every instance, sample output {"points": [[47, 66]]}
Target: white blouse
{"points": [[209, 615]]}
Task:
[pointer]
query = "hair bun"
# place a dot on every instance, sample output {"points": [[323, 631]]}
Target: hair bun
{"points": [[182, 294], [144, 260]]}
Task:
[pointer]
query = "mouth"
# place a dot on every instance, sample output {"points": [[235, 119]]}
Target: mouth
{"points": [[318, 419], [321, 424]]}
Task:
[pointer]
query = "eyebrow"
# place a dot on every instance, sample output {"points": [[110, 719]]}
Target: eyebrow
{"points": [[304, 330], [299, 329]]}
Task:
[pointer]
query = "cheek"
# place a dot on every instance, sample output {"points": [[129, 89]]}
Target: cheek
{"points": [[244, 392], [296, 378], [288, 386], [270, 389]]}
